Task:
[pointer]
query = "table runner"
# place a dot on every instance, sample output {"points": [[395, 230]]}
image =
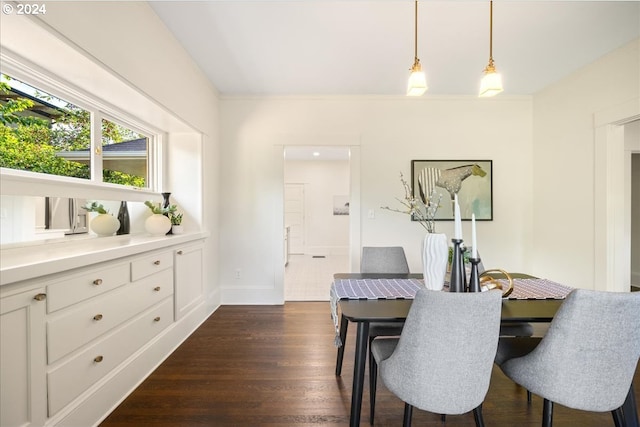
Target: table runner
{"points": [[533, 288], [377, 288], [536, 289]]}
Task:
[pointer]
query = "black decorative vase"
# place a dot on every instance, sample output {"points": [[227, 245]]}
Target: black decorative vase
{"points": [[457, 282], [165, 201], [474, 280], [123, 217], [165, 204]]}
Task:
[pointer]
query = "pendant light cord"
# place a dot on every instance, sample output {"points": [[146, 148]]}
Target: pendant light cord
{"points": [[491, 31], [415, 32]]}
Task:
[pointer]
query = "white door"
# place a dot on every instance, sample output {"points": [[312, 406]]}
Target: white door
{"points": [[294, 216]]}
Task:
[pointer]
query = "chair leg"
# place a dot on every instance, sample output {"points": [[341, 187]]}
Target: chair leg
{"points": [[443, 418], [629, 409], [408, 412], [618, 418], [373, 382], [528, 396], [477, 416], [344, 323], [547, 413]]}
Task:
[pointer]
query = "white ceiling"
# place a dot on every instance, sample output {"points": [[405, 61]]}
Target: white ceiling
{"points": [[365, 47]]}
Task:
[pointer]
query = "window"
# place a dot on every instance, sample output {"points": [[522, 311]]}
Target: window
{"points": [[124, 155], [40, 132]]}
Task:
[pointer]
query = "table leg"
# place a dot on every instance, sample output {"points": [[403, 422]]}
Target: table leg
{"points": [[630, 410], [344, 323], [362, 339]]}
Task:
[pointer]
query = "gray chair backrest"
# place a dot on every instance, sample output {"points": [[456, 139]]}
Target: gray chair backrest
{"points": [[588, 357], [444, 357], [384, 259]]}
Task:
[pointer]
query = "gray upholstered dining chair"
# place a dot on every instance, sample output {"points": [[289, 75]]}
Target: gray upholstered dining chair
{"points": [[442, 361], [384, 259], [380, 260], [587, 358]]}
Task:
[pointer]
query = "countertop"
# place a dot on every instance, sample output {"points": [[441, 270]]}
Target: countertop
{"points": [[18, 263]]}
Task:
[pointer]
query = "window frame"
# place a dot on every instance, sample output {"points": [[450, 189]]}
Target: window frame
{"points": [[16, 181]]}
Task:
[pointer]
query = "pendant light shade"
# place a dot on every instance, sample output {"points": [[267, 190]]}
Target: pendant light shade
{"points": [[417, 84], [491, 83]]}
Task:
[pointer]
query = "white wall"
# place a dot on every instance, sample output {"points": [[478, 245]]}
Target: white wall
{"points": [[326, 233], [390, 132], [542, 151], [563, 161], [136, 55]]}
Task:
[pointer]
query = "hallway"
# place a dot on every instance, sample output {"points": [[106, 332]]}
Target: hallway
{"points": [[308, 279]]}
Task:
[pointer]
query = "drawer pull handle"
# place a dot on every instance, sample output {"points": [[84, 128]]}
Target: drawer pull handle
{"points": [[97, 317], [98, 359], [156, 262], [97, 282], [157, 289], [40, 297], [157, 319], [180, 252]]}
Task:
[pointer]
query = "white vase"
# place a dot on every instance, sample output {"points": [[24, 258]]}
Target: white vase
{"points": [[104, 225], [177, 229], [157, 225], [435, 255]]}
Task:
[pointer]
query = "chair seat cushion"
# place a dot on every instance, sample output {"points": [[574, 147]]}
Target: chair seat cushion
{"points": [[385, 329], [516, 329], [382, 348], [512, 347]]}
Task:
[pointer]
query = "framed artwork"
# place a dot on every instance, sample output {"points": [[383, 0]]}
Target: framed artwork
{"points": [[341, 205], [471, 180]]}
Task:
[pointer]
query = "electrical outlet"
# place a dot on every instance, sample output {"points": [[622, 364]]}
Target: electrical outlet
{"points": [[372, 214], [237, 273]]}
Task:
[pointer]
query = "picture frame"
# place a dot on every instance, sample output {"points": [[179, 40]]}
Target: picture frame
{"points": [[474, 190], [341, 205]]}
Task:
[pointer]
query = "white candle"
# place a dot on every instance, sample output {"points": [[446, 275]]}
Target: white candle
{"points": [[457, 219], [474, 249]]}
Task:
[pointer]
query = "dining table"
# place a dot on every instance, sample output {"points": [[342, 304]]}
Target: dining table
{"points": [[363, 306]]}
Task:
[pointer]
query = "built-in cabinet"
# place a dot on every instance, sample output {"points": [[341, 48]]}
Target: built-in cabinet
{"points": [[188, 261], [23, 397], [63, 341]]}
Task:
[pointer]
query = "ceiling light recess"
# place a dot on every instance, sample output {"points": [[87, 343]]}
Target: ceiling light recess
{"points": [[491, 83], [417, 85]]}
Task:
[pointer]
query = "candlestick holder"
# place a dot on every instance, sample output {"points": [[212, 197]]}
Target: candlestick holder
{"points": [[463, 269], [474, 280], [456, 283]]}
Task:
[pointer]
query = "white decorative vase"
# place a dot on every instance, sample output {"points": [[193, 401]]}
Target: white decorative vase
{"points": [[177, 229], [104, 225], [157, 225], [435, 255]]}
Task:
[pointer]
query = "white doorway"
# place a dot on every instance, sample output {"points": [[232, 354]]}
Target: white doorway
{"points": [[632, 145], [612, 196], [316, 181], [294, 218]]}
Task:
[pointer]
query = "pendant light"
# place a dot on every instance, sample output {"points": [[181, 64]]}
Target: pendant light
{"points": [[491, 83], [417, 80]]}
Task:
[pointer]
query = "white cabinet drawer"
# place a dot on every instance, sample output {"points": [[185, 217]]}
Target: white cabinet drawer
{"points": [[80, 287], [76, 326], [70, 379], [142, 267]]}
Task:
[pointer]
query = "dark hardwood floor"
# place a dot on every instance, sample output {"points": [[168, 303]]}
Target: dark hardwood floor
{"points": [[274, 366]]}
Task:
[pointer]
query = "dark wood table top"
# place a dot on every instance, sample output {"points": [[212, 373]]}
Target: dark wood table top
{"points": [[397, 309]]}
